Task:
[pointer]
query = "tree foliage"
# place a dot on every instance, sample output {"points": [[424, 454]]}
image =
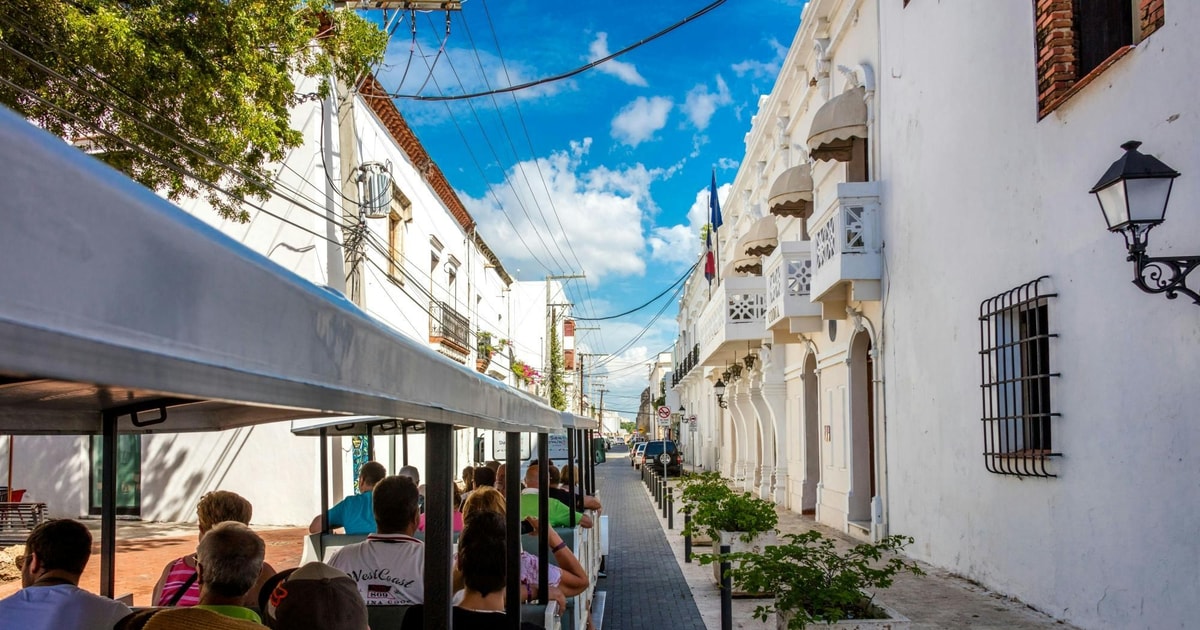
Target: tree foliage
{"points": [[558, 395], [201, 86]]}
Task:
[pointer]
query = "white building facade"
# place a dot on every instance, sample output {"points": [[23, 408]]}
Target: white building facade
{"points": [[421, 269], [982, 376]]}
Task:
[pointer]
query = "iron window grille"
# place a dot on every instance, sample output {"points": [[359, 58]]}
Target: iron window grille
{"points": [[1015, 348]]}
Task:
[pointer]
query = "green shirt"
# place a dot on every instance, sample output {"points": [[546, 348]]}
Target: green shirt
{"points": [[236, 612], [560, 514]]}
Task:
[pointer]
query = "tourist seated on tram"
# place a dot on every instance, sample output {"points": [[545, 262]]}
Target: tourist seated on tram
{"points": [[482, 569], [389, 566], [566, 579], [179, 584], [353, 513]]}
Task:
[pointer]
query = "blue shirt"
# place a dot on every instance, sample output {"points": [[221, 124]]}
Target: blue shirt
{"points": [[60, 606], [353, 513]]}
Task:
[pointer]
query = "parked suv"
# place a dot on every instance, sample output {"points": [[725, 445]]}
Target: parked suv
{"points": [[661, 454]]}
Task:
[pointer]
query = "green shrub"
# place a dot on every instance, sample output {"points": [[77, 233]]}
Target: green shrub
{"points": [[815, 583]]}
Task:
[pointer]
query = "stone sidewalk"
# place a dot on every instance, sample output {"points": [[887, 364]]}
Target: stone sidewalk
{"points": [[937, 600]]}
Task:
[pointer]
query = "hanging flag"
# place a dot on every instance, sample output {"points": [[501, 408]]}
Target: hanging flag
{"points": [[712, 253], [714, 206], [710, 263]]}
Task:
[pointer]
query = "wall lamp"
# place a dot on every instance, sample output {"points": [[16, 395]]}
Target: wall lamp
{"points": [[719, 389], [1133, 195]]}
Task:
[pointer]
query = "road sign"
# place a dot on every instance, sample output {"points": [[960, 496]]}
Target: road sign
{"points": [[664, 423], [664, 412], [692, 419]]}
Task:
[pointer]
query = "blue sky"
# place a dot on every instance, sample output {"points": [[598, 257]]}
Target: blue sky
{"points": [[606, 172]]}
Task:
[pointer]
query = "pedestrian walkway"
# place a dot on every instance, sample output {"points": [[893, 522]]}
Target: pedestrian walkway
{"points": [[645, 587], [936, 601]]}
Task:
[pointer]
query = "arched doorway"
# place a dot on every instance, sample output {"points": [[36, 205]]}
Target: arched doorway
{"points": [[811, 417], [862, 433]]}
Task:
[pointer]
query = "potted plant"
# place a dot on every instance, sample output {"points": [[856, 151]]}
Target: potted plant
{"points": [[744, 522], [701, 494], [485, 349], [814, 583]]}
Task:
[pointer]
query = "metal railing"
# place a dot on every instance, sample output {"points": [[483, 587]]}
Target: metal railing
{"points": [[448, 326]]}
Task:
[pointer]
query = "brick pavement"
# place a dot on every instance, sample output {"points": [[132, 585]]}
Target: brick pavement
{"points": [[645, 587]]}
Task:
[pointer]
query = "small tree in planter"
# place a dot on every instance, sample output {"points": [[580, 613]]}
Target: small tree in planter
{"points": [[744, 522], [815, 583], [701, 495]]}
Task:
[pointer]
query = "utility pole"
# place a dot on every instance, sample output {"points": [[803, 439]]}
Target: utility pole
{"points": [[601, 389]]}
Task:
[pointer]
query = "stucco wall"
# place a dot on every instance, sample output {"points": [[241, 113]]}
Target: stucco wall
{"points": [[982, 197]]}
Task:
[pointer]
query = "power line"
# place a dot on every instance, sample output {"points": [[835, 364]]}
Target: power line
{"points": [[566, 75], [651, 301]]}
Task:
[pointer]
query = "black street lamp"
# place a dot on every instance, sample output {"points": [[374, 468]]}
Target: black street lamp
{"points": [[719, 390], [1133, 195]]}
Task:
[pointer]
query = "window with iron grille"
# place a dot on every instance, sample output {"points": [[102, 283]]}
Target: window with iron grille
{"points": [[1015, 360]]}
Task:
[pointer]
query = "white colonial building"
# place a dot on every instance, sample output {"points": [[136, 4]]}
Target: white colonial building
{"points": [[943, 338], [412, 259]]}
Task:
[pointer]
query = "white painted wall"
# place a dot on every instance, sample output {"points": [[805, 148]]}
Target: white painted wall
{"points": [[982, 197]]}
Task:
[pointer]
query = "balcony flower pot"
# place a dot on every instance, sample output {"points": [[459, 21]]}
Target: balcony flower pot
{"points": [[815, 584]]}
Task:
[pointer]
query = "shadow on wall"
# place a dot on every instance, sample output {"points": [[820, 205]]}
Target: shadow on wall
{"points": [[54, 470], [178, 469]]}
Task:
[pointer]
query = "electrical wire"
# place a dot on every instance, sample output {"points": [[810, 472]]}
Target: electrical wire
{"points": [[648, 303], [570, 73]]}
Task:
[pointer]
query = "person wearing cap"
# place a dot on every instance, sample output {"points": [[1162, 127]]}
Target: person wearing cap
{"points": [[560, 514], [315, 596], [56, 554], [353, 513], [482, 561], [389, 566]]}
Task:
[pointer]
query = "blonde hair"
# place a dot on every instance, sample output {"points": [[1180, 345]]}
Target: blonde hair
{"points": [[222, 505], [484, 499]]}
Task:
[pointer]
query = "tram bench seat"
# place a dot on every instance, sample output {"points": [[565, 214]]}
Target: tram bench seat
{"points": [[392, 617], [386, 617], [529, 542], [322, 546]]}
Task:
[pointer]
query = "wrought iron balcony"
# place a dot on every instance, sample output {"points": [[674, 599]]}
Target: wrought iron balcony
{"points": [[847, 259], [789, 287], [735, 315], [450, 330]]}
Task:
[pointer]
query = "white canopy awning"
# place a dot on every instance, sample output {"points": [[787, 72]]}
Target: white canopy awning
{"points": [[792, 193], [841, 118], [114, 300]]}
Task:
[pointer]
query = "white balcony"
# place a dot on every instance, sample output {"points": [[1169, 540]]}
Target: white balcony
{"points": [[847, 261], [733, 320], [788, 271]]}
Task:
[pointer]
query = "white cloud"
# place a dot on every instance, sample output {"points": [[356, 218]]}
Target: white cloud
{"points": [[702, 104], [624, 71], [763, 69], [602, 210], [640, 119], [727, 163]]}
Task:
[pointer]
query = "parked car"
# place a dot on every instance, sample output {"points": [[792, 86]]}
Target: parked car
{"points": [[662, 455], [635, 460]]}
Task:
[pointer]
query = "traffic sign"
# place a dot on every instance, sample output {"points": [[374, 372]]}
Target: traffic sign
{"points": [[692, 419], [664, 412]]}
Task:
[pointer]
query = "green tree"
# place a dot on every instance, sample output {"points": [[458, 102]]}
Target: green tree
{"points": [[558, 396], [628, 427], [203, 86]]}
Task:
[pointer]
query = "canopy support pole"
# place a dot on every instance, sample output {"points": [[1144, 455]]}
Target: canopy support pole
{"points": [[108, 502], [544, 518], [512, 492], [439, 453], [324, 485], [574, 469]]}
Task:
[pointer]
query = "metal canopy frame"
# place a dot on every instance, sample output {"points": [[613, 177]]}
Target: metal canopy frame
{"points": [[122, 313]]}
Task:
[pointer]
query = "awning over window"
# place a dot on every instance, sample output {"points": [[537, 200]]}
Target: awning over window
{"points": [[762, 239], [792, 193], [838, 121]]}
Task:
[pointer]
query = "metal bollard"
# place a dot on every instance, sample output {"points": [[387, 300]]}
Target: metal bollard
{"points": [[666, 499], [687, 538], [726, 591], [670, 509]]}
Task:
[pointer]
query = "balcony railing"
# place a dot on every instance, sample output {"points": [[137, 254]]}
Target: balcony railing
{"points": [[847, 262], [449, 328], [690, 360], [788, 272], [736, 313]]}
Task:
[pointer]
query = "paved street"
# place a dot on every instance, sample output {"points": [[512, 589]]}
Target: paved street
{"points": [[645, 587], [649, 585]]}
